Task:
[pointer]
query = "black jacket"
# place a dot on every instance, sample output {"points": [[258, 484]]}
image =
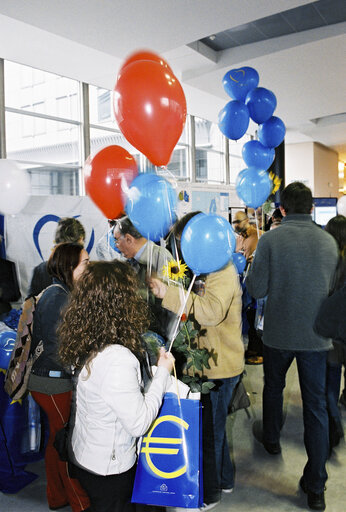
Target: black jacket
{"points": [[40, 279], [331, 319], [46, 321]]}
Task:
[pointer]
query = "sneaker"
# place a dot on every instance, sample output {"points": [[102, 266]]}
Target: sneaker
{"points": [[254, 360], [209, 506], [227, 491]]}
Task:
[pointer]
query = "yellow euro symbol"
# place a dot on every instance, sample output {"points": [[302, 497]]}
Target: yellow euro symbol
{"points": [[147, 449], [237, 71]]}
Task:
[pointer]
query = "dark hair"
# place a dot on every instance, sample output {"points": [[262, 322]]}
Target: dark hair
{"points": [[105, 308], [69, 230], [337, 228], [179, 226], [277, 214], [63, 260], [296, 198], [125, 226]]}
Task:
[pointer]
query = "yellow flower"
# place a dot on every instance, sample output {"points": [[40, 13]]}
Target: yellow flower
{"points": [[174, 270], [276, 182]]}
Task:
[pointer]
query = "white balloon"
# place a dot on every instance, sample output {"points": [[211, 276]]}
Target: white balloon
{"points": [[14, 187], [341, 206]]}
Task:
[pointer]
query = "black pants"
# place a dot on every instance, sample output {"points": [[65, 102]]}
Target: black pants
{"points": [[110, 493], [255, 346]]}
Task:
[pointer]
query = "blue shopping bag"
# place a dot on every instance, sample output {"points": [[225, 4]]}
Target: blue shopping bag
{"points": [[169, 470]]}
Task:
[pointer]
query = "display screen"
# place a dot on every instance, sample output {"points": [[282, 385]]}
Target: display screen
{"points": [[324, 209]]}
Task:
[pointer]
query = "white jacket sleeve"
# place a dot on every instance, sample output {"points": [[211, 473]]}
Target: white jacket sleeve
{"points": [[121, 390]]}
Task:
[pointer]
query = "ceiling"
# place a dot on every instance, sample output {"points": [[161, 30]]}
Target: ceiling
{"points": [[299, 54]]}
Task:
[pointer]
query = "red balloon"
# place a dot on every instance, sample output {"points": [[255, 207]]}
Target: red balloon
{"points": [[107, 176], [146, 55], [150, 108]]}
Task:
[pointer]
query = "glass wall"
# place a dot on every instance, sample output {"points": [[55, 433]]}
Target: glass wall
{"points": [[44, 133], [43, 127], [210, 152]]}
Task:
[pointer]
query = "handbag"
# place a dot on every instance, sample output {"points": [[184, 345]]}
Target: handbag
{"points": [[169, 469], [62, 440], [240, 397]]}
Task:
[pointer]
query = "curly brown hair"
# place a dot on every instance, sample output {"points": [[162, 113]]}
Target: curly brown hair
{"points": [[104, 309]]}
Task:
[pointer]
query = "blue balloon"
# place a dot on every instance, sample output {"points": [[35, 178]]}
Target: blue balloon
{"points": [[207, 243], [234, 120], [272, 132], [238, 82], [261, 103], [239, 261], [257, 155], [151, 205], [253, 186], [7, 339]]}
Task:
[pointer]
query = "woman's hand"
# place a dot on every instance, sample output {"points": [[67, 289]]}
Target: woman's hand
{"points": [[157, 287], [165, 359]]}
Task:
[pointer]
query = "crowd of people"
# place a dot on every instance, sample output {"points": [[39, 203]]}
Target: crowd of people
{"points": [[91, 316]]}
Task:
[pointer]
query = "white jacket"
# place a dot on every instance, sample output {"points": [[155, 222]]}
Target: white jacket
{"points": [[112, 410]]}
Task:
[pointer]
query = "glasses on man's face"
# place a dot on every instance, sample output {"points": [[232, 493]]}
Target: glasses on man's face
{"points": [[237, 221], [117, 240]]}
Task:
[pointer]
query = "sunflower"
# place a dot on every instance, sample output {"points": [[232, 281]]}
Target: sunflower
{"points": [[174, 270], [276, 182]]}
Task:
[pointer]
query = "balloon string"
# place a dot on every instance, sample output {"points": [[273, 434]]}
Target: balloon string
{"points": [[256, 218], [175, 332]]}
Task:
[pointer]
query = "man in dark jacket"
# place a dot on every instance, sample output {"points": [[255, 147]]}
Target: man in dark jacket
{"points": [[294, 267]]}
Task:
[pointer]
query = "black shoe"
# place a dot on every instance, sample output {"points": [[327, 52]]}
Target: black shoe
{"points": [[257, 431], [315, 500], [272, 448]]}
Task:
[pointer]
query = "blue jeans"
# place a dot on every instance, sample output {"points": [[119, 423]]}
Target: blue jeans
{"points": [[312, 368], [223, 477]]}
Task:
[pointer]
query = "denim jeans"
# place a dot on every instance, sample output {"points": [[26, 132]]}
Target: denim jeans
{"points": [[218, 470], [312, 368]]}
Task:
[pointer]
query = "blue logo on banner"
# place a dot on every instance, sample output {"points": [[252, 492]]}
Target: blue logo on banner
{"points": [[54, 218]]}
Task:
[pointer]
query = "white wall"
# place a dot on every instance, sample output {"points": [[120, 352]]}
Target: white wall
{"points": [[326, 172], [315, 165], [299, 163]]}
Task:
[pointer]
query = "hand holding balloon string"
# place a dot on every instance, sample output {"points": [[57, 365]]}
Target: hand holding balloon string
{"points": [[166, 359]]}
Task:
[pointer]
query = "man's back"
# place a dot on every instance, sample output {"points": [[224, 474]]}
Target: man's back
{"points": [[294, 266]]}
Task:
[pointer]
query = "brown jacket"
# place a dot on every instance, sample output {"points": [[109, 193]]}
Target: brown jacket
{"points": [[247, 244], [218, 313]]}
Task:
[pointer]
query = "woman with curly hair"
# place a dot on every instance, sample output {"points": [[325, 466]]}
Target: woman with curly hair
{"points": [[101, 337]]}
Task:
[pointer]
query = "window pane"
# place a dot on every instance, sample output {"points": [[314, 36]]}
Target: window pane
{"points": [[100, 139], [178, 163], [40, 140], [101, 107], [208, 135], [27, 87], [236, 162], [47, 180], [210, 166]]}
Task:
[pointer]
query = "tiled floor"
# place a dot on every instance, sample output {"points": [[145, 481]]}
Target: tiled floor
{"points": [[264, 483]]}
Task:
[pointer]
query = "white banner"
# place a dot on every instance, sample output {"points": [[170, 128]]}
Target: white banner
{"points": [[29, 235]]}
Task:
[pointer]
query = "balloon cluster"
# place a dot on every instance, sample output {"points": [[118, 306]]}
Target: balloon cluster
{"points": [[150, 108], [253, 184]]}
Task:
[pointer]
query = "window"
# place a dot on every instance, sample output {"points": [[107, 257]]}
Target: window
{"points": [[236, 162], [210, 154]]}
